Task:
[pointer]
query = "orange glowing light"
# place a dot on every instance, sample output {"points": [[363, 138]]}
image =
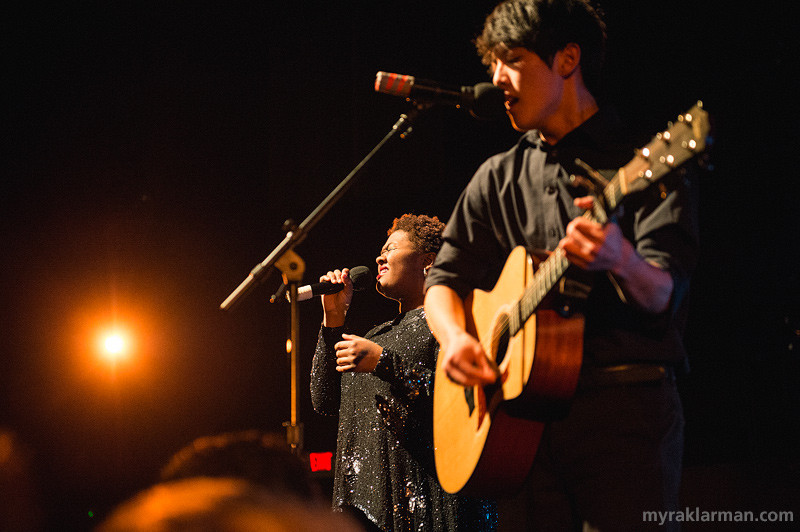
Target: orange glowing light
{"points": [[115, 345]]}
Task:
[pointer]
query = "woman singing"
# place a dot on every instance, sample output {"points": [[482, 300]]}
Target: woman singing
{"points": [[381, 387]]}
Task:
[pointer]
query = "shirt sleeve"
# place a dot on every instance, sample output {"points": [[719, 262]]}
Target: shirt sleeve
{"points": [[666, 228], [662, 224], [473, 252]]}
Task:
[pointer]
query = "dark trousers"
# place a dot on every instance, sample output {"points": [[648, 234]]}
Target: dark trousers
{"points": [[616, 455]]}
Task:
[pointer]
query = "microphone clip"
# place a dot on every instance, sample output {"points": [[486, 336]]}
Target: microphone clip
{"points": [[292, 268]]}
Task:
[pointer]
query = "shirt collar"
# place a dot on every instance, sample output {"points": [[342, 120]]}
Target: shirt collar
{"points": [[592, 132]]}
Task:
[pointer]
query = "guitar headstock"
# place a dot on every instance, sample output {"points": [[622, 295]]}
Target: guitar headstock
{"points": [[681, 141]]}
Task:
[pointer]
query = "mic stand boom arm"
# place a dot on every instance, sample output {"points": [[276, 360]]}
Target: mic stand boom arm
{"points": [[292, 268], [297, 234]]}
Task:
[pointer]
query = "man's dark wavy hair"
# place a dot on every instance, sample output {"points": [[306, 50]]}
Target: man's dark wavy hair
{"points": [[545, 27]]}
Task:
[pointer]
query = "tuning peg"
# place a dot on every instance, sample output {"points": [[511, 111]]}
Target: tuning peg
{"points": [[687, 116], [668, 160]]}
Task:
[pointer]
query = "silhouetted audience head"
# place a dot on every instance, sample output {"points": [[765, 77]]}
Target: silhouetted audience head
{"points": [[206, 504], [20, 510], [262, 458]]}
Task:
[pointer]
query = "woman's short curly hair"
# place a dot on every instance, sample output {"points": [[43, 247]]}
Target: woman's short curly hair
{"points": [[424, 232]]}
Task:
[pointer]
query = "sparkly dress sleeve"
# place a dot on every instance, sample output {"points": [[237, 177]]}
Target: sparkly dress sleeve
{"points": [[325, 380]]}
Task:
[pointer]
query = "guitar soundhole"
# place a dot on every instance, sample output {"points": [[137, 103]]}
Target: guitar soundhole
{"points": [[501, 348]]}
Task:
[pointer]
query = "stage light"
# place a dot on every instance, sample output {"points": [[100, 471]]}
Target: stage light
{"points": [[115, 345]]}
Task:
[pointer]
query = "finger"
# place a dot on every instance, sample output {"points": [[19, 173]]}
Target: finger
{"points": [[581, 242], [471, 374], [592, 231], [333, 276], [466, 377], [573, 252], [481, 372], [456, 376], [344, 277]]}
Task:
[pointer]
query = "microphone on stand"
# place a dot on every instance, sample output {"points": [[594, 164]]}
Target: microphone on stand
{"points": [[360, 275], [484, 101]]}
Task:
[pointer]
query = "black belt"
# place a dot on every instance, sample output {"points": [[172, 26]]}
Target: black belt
{"points": [[625, 374]]}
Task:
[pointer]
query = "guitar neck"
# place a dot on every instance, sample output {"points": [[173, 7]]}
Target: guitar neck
{"points": [[545, 278], [552, 269]]}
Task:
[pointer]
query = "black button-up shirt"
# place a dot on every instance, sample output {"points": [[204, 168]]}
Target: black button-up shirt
{"points": [[524, 197]]}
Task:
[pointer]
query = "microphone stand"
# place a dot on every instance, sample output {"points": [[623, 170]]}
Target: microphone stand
{"points": [[292, 266]]}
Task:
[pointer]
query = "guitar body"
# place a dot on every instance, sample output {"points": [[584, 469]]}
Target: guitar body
{"points": [[485, 438]]}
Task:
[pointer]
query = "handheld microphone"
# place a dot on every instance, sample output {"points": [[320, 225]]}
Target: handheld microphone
{"points": [[360, 275], [484, 101]]}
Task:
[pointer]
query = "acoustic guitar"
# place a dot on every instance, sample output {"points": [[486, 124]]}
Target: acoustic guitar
{"points": [[486, 437]]}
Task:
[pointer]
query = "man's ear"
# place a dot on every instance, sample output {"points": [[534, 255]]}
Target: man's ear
{"points": [[568, 59]]}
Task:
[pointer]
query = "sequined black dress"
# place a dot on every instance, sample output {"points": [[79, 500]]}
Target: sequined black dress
{"points": [[384, 454]]}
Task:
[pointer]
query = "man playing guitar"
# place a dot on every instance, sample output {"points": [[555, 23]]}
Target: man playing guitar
{"points": [[618, 451]]}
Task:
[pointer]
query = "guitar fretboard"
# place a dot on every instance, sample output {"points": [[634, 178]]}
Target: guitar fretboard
{"points": [[548, 274]]}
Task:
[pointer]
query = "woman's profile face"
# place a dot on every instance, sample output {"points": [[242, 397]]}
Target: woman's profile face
{"points": [[400, 268]]}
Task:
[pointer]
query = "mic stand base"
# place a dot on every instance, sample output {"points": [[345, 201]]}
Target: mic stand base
{"points": [[294, 436]]}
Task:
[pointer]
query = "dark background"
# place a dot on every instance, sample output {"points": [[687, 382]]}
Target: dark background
{"points": [[151, 154]]}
